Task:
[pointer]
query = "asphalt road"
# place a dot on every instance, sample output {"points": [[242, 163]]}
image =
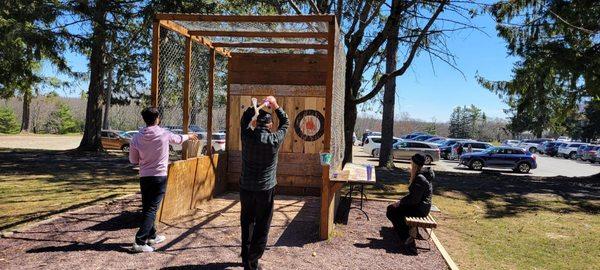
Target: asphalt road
{"points": [[547, 166]]}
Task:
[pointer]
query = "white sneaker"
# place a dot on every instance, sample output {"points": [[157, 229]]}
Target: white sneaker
{"points": [[157, 240], [141, 248]]}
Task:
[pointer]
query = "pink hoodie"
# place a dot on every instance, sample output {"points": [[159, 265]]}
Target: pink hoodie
{"points": [[150, 149]]}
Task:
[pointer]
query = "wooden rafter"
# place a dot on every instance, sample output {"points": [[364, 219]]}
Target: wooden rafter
{"points": [[244, 18], [323, 35], [271, 45], [173, 26]]}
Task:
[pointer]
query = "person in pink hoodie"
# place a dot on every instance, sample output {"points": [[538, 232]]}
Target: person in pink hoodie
{"points": [[150, 150]]}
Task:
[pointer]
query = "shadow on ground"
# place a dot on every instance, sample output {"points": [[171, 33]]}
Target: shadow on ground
{"points": [[506, 195]]}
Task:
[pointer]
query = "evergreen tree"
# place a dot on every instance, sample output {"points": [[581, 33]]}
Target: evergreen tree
{"points": [[8, 121]]}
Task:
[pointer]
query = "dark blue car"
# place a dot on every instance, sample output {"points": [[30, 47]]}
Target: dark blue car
{"points": [[517, 159]]}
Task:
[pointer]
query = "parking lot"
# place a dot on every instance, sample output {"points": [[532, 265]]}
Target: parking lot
{"points": [[547, 166]]}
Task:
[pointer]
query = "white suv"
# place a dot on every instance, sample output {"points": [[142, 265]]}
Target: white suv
{"points": [[569, 150], [374, 142], [532, 145]]}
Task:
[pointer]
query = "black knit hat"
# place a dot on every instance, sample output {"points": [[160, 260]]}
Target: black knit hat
{"points": [[418, 159], [264, 118]]}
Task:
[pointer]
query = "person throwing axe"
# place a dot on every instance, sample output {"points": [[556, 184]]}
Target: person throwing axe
{"points": [[260, 146]]}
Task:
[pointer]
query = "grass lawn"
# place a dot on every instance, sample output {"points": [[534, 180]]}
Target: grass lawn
{"points": [[35, 184], [492, 221]]}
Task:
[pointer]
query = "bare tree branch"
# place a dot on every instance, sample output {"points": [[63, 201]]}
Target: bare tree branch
{"points": [[408, 61]]}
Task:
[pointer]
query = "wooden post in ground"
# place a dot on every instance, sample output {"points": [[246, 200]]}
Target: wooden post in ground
{"points": [[155, 62], [185, 153], [328, 189], [211, 93]]}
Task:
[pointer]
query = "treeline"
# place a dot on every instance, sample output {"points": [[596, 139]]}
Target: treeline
{"points": [[465, 122], [52, 114]]}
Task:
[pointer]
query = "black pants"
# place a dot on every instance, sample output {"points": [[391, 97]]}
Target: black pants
{"points": [[256, 215], [153, 191], [397, 214]]}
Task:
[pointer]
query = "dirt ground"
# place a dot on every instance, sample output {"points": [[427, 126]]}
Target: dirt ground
{"points": [[37, 141], [100, 237]]}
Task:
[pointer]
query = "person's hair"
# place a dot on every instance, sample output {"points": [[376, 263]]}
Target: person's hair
{"points": [[418, 160], [150, 115], [264, 118]]}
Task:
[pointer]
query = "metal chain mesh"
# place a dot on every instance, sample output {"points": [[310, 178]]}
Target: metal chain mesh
{"points": [[171, 79], [337, 106]]}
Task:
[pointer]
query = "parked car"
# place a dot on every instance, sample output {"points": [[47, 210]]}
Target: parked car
{"points": [[590, 153], [475, 147], [111, 139], [569, 150], [406, 149], [517, 159], [218, 143], [564, 139], [446, 147], [422, 138], [550, 148], [532, 145], [129, 134], [581, 151], [513, 143], [367, 134], [596, 158], [374, 143], [413, 135]]}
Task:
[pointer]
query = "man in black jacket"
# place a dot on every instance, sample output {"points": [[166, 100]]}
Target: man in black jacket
{"points": [[260, 147], [416, 203]]}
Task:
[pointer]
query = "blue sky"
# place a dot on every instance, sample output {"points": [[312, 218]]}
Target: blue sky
{"points": [[424, 92]]}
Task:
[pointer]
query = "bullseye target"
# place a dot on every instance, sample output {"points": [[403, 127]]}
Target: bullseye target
{"points": [[309, 125]]}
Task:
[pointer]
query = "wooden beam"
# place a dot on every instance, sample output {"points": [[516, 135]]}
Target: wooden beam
{"points": [[328, 188], [259, 34], [272, 45], [155, 63], [243, 18], [186, 85], [173, 26], [211, 93]]}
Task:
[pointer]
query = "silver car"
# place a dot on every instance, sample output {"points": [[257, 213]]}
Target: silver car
{"points": [[406, 149]]}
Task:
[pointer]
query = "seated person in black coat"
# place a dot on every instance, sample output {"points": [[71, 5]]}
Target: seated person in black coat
{"points": [[416, 203]]}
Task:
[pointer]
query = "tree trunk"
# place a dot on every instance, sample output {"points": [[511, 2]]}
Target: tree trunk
{"points": [[93, 115], [27, 95], [350, 114], [389, 100], [107, 99]]}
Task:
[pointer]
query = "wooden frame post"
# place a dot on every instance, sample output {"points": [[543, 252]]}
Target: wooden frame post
{"points": [[186, 94], [328, 189], [211, 93], [155, 62], [186, 84]]}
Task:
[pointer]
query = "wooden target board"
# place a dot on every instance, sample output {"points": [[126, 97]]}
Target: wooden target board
{"points": [[309, 125]]}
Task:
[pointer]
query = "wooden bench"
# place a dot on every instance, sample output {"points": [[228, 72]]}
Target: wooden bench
{"points": [[427, 223]]}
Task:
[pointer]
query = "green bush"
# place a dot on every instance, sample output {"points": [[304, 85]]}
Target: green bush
{"points": [[61, 121], [8, 121]]}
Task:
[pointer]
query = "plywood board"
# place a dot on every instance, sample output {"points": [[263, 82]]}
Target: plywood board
{"points": [[278, 77], [278, 62], [178, 194]]}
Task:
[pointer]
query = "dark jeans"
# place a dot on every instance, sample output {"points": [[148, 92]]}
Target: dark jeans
{"points": [[396, 216], [257, 211], [153, 191]]}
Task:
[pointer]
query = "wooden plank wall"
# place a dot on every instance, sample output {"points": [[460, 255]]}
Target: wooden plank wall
{"points": [[191, 182], [298, 83]]}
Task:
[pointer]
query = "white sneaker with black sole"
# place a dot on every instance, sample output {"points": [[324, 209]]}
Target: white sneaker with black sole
{"points": [[157, 240], [142, 248]]}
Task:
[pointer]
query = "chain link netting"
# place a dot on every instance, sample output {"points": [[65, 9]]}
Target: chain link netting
{"points": [[171, 76], [171, 81]]}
